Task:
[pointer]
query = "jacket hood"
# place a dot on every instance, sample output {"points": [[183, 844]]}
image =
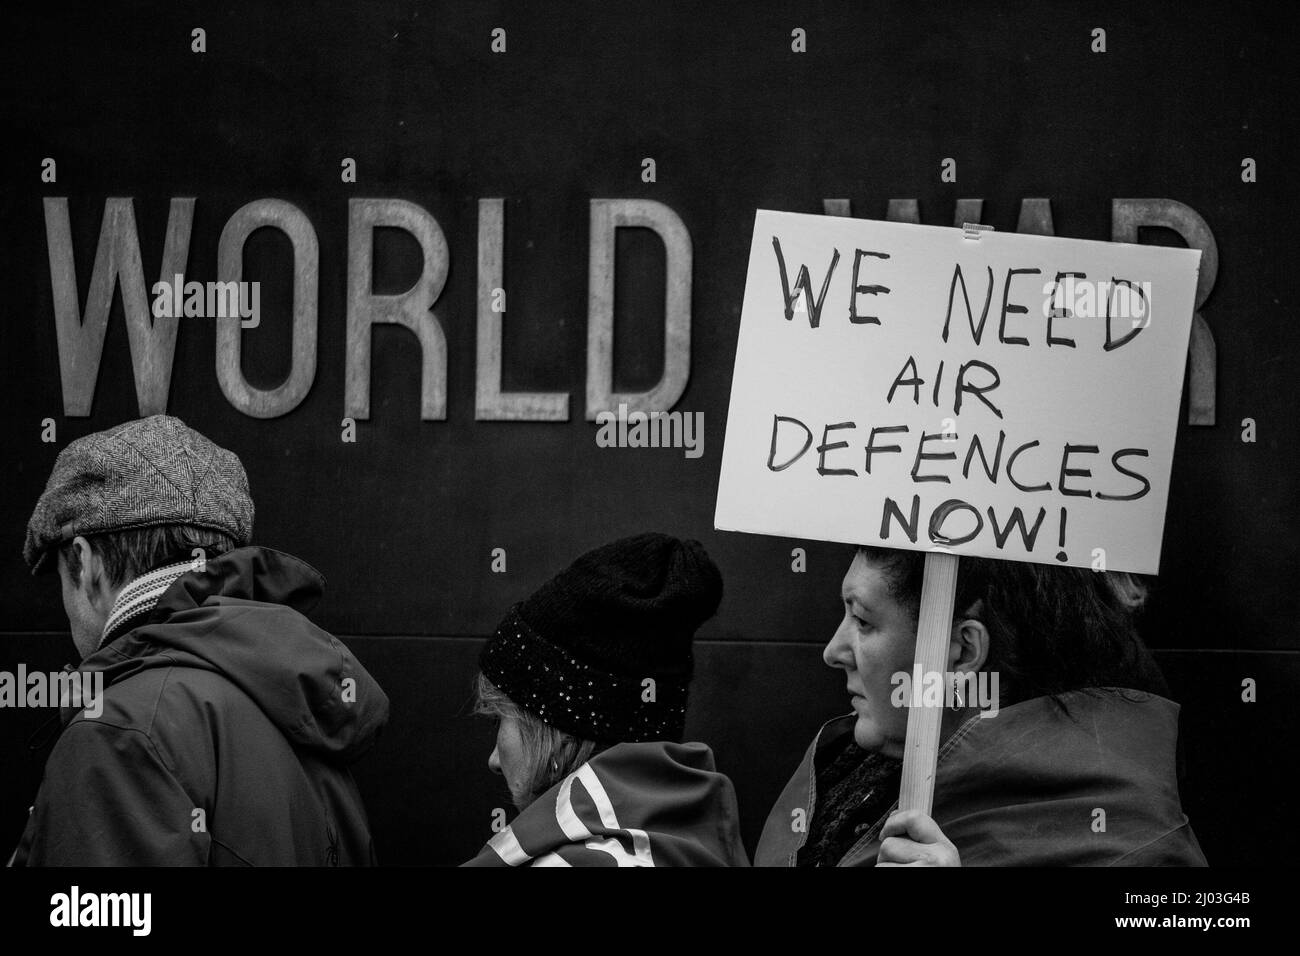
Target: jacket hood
{"points": [[635, 804], [242, 616]]}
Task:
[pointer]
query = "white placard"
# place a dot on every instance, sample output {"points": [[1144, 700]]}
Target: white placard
{"points": [[1007, 396]]}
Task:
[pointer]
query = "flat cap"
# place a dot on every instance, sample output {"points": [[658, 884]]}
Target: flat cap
{"points": [[149, 472]]}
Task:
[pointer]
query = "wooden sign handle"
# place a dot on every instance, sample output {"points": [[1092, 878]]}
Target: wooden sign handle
{"points": [[934, 626]]}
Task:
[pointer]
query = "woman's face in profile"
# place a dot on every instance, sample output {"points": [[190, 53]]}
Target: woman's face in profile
{"points": [[508, 760], [875, 640]]}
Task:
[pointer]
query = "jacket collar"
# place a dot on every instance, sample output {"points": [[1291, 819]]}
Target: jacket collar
{"points": [[251, 574], [140, 597]]}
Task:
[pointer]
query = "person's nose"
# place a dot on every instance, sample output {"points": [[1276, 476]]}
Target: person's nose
{"points": [[494, 761], [839, 651]]}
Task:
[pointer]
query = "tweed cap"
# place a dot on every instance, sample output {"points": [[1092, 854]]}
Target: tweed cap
{"points": [[149, 472]]}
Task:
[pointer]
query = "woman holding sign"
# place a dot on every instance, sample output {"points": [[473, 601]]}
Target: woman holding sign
{"points": [[1059, 747]]}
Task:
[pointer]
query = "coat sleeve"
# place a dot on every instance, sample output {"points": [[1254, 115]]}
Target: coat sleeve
{"points": [[109, 799]]}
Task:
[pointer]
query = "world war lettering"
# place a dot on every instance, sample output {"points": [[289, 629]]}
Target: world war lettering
{"points": [[117, 264]]}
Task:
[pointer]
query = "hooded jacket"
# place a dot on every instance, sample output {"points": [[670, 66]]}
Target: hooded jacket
{"points": [[635, 804], [228, 723], [1023, 788]]}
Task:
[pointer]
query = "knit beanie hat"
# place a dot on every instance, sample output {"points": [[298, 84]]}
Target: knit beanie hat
{"points": [[602, 651]]}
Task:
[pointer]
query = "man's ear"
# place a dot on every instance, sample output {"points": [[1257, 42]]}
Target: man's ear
{"points": [[90, 576], [969, 647]]}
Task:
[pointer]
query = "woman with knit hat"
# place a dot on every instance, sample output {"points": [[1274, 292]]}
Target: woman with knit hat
{"points": [[588, 680]]}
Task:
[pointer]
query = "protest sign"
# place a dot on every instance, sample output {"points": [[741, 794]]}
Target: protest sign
{"points": [[1007, 396]]}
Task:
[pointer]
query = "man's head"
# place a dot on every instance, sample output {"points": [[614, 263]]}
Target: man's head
{"points": [[125, 501], [92, 571]]}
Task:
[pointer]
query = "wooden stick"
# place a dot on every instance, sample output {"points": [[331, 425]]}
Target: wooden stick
{"points": [[933, 630]]}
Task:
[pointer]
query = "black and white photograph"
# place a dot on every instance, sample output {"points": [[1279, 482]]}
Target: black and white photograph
{"points": [[457, 435]]}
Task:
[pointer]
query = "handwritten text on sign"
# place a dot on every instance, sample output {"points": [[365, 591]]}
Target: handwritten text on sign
{"points": [[1006, 396]]}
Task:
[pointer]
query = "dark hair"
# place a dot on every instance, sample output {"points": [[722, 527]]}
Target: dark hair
{"points": [[135, 551], [1052, 629]]}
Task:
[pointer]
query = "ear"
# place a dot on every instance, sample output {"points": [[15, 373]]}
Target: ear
{"points": [[89, 569], [92, 579], [969, 646]]}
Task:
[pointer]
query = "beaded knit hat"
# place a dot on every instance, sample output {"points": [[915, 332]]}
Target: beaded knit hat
{"points": [[602, 651]]}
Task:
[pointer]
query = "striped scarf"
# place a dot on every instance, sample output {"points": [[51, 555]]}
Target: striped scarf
{"points": [[140, 597]]}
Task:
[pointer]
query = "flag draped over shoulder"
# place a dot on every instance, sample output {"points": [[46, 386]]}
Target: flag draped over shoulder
{"points": [[636, 804]]}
